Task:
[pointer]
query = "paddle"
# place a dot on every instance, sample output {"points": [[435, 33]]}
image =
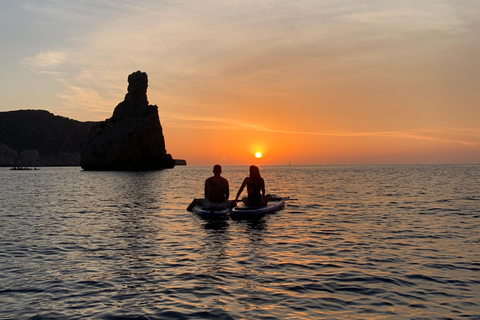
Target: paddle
{"points": [[286, 198]]}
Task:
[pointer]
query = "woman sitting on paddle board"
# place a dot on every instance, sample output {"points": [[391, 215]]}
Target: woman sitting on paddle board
{"points": [[255, 189]]}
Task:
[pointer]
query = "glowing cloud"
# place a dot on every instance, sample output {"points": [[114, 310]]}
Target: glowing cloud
{"points": [[43, 61]]}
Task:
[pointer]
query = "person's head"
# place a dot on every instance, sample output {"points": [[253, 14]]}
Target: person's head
{"points": [[254, 172], [217, 169]]}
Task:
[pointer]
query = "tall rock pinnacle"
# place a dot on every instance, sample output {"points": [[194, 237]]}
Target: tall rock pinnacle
{"points": [[132, 139]]}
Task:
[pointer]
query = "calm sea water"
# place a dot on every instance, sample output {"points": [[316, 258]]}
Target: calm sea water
{"points": [[361, 242]]}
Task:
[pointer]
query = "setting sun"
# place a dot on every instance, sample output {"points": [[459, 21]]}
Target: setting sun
{"points": [[258, 155]]}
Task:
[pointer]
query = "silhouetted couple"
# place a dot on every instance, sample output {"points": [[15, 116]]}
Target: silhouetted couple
{"points": [[217, 191]]}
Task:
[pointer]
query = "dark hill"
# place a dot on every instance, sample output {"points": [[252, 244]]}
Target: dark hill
{"points": [[38, 137]]}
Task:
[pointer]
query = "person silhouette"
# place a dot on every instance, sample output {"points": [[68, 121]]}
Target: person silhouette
{"points": [[217, 192], [255, 189]]}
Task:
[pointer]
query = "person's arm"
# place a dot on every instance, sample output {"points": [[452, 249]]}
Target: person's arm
{"points": [[244, 183], [263, 188], [206, 189], [227, 190]]}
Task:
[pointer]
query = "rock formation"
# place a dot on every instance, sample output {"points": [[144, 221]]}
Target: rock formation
{"points": [[40, 138], [8, 156], [29, 158], [132, 139]]}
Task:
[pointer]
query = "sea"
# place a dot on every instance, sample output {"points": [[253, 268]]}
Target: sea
{"points": [[353, 242]]}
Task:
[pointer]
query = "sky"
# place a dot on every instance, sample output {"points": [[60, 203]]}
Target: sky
{"points": [[303, 82]]}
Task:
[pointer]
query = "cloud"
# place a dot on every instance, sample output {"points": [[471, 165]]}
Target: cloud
{"points": [[198, 50], [424, 17], [85, 99], [45, 61], [444, 135]]}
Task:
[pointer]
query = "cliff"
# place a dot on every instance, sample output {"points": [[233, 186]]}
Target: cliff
{"points": [[132, 139], [40, 138]]}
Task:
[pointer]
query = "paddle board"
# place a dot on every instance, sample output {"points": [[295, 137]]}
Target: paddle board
{"points": [[249, 212], [206, 213]]}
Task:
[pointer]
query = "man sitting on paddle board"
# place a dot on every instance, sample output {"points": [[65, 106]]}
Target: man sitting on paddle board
{"points": [[216, 192]]}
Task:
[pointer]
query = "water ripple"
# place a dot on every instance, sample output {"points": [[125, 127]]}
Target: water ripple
{"points": [[361, 242]]}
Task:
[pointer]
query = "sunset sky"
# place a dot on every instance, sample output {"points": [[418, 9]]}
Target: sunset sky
{"points": [[303, 82]]}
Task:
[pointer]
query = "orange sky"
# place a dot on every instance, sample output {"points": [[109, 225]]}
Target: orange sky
{"points": [[304, 82]]}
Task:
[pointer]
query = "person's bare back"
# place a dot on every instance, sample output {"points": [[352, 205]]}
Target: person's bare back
{"points": [[217, 192], [216, 189]]}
